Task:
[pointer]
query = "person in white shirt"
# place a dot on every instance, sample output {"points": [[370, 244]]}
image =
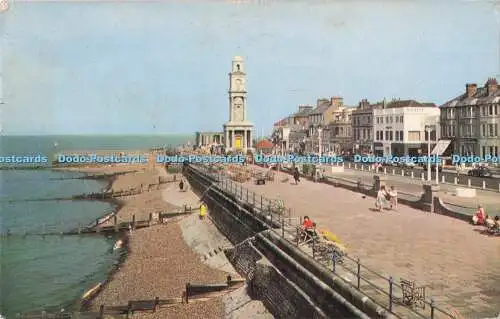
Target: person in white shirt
{"points": [[393, 197]]}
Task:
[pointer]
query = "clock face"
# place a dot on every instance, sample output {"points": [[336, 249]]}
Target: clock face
{"points": [[238, 109], [238, 84]]}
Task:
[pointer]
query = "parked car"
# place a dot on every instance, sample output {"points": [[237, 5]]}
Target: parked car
{"points": [[433, 167], [480, 172], [407, 164]]}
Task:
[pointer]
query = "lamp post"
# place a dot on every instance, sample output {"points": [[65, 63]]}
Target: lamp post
{"points": [[319, 140], [437, 162], [428, 129]]}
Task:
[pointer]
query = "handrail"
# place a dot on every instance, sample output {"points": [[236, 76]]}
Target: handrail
{"points": [[257, 201]]}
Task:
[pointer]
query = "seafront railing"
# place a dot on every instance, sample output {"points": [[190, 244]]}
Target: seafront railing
{"points": [[382, 289]]}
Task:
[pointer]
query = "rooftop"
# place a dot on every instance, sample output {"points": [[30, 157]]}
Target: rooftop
{"points": [[487, 94]]}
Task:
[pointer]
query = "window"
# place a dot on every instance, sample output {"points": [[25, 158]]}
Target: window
{"points": [[496, 110], [453, 130], [483, 151], [381, 120], [401, 119], [496, 151], [364, 134], [483, 130], [391, 136], [491, 130], [414, 136], [496, 130], [491, 109], [491, 150]]}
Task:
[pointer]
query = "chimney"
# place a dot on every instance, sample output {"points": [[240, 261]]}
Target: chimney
{"points": [[491, 86], [364, 104], [470, 89]]}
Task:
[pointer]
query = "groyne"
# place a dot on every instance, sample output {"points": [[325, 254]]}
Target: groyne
{"points": [[292, 289]]}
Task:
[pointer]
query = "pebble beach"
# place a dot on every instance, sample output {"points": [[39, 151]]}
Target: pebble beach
{"points": [[160, 262]]}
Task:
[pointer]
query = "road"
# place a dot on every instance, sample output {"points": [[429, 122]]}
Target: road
{"points": [[449, 176]]}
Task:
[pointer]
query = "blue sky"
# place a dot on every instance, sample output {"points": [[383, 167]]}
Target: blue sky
{"points": [[162, 67]]}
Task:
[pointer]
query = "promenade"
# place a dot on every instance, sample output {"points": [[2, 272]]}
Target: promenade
{"points": [[489, 199], [458, 265]]}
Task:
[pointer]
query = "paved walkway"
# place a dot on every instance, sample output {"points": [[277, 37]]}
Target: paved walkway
{"points": [[460, 266]]}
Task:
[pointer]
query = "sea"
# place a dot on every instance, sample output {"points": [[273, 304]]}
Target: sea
{"points": [[52, 272]]}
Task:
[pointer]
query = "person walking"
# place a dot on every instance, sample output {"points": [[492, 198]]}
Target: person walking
{"points": [[296, 176], [181, 185], [393, 197], [381, 198]]}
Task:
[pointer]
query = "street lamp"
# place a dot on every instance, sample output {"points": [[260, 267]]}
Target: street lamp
{"points": [[437, 162], [428, 129]]}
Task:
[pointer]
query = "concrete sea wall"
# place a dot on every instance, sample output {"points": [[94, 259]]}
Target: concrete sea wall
{"points": [[289, 287]]}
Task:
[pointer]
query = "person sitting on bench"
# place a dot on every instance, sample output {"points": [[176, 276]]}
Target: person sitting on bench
{"points": [[309, 227]]}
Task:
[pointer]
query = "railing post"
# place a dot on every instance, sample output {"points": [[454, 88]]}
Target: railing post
{"points": [[261, 205], [333, 262], [129, 308], [468, 183], [442, 179], [412, 176], [157, 303], [253, 198], [44, 314], [247, 195], [298, 237], [484, 184], [314, 248], [101, 312], [433, 305], [393, 171], [422, 176], [133, 222], [187, 292], [282, 226], [455, 180], [391, 283], [358, 274]]}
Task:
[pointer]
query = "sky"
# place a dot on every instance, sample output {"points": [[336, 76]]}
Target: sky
{"points": [[162, 67]]}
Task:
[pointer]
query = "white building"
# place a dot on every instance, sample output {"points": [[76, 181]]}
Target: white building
{"points": [[400, 128], [238, 130]]}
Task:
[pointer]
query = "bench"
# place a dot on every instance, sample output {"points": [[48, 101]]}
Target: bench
{"points": [[304, 237], [413, 296]]}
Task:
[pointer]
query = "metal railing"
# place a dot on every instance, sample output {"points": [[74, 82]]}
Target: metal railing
{"points": [[288, 231], [462, 179]]}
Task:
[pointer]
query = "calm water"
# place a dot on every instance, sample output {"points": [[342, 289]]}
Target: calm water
{"points": [[53, 272]]}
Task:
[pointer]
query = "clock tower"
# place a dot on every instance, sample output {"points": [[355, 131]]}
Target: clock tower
{"points": [[238, 131]]}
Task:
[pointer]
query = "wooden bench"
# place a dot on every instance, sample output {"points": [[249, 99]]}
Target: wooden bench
{"points": [[413, 296]]}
